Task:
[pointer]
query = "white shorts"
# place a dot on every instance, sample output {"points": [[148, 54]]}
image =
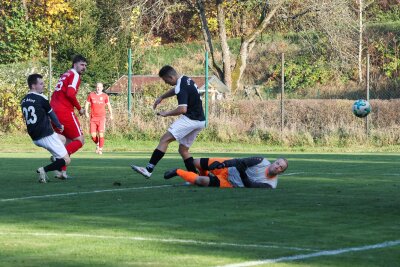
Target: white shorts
{"points": [[186, 130], [53, 144]]}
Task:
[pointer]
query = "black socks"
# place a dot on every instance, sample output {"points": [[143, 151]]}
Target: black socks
{"points": [[56, 165], [155, 158], [189, 163]]}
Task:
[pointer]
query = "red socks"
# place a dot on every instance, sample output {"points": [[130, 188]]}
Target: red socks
{"points": [[95, 139], [73, 146], [101, 142]]}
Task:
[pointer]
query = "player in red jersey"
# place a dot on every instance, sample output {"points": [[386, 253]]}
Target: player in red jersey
{"points": [[63, 101], [98, 101]]}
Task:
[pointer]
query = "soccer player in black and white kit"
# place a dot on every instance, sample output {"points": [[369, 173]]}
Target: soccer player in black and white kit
{"points": [[37, 113], [186, 128]]}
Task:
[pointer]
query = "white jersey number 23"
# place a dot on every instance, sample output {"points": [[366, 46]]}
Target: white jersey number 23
{"points": [[29, 114]]}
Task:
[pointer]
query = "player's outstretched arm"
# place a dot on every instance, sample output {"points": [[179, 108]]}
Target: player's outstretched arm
{"points": [[240, 164], [178, 111], [169, 93]]}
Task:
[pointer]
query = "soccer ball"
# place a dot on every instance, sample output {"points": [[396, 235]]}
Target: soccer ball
{"points": [[361, 108]]}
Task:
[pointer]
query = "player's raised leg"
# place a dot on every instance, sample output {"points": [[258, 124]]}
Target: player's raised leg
{"points": [[157, 155]]}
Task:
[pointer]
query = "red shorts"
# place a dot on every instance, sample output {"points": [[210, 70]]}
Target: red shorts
{"points": [[97, 125], [72, 127]]}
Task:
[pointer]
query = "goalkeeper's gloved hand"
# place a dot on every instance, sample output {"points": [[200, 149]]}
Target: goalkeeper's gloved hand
{"points": [[216, 165]]}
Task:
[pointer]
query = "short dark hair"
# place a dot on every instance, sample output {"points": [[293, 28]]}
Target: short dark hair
{"points": [[167, 70], [78, 58], [32, 79]]}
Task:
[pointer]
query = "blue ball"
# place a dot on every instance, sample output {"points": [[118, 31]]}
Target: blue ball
{"points": [[361, 108]]}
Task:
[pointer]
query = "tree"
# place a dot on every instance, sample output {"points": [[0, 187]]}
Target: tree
{"points": [[330, 20], [232, 75], [29, 26]]}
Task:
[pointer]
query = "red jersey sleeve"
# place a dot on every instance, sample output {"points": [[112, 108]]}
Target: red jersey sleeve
{"points": [[71, 94]]}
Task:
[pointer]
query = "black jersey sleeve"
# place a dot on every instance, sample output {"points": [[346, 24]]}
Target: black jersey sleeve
{"points": [[250, 184], [54, 119], [183, 96], [46, 105], [243, 163]]}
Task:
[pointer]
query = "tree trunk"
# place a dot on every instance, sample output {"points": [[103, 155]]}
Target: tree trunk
{"points": [[207, 37], [25, 7], [226, 57], [247, 45]]}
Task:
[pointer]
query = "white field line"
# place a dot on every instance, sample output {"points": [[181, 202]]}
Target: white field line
{"points": [[316, 254], [162, 240], [84, 192], [292, 173], [94, 192]]}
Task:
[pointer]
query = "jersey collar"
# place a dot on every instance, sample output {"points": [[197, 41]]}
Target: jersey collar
{"points": [[178, 85], [267, 174], [35, 93], [74, 71]]}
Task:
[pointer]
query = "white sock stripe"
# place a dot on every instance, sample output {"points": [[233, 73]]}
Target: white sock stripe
{"points": [[164, 240], [316, 254], [84, 192]]}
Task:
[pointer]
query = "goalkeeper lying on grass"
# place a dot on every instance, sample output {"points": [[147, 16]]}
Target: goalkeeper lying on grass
{"points": [[253, 172]]}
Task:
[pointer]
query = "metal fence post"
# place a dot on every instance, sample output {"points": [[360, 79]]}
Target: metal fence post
{"points": [[367, 96], [282, 92], [129, 82], [206, 87], [50, 72]]}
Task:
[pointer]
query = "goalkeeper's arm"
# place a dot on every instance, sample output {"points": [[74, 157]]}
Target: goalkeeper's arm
{"points": [[240, 163]]}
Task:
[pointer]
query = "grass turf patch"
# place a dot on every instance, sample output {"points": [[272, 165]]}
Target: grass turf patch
{"points": [[325, 202]]}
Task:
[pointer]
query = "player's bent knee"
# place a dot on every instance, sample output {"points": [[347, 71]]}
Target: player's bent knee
{"points": [[62, 138], [202, 181], [67, 160], [81, 138], [196, 163]]}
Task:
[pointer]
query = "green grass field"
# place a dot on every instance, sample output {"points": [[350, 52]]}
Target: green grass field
{"points": [[327, 203]]}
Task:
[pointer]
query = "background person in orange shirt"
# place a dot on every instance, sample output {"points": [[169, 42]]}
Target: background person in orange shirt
{"points": [[98, 101]]}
